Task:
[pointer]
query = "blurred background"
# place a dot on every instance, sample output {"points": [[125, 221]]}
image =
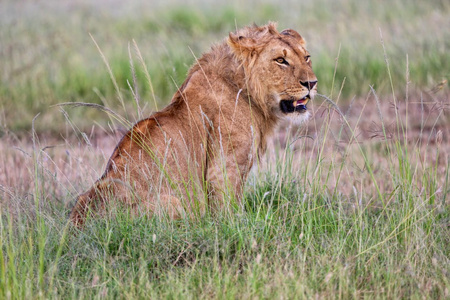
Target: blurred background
{"points": [[349, 206], [47, 55]]}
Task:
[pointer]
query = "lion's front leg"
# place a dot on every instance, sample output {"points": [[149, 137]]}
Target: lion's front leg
{"points": [[225, 180]]}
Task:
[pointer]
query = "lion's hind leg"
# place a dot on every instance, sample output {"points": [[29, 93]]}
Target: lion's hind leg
{"points": [[82, 206], [91, 201]]}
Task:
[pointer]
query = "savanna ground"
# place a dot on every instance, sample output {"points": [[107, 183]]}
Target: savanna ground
{"points": [[352, 205]]}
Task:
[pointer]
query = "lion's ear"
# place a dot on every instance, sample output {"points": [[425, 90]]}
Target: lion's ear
{"points": [[243, 47], [294, 34]]}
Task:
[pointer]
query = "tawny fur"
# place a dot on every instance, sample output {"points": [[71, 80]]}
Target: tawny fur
{"points": [[197, 152]]}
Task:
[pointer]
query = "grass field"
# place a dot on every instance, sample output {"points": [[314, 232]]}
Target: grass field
{"points": [[352, 205]]}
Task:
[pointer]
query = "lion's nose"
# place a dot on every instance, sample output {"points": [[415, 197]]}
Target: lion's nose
{"points": [[309, 84]]}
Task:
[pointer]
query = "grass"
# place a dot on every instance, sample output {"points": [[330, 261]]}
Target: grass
{"points": [[354, 204]]}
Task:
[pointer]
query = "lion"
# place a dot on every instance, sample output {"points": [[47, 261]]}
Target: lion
{"points": [[195, 154]]}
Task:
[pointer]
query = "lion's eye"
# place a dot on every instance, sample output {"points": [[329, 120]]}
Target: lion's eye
{"points": [[308, 58], [281, 60]]}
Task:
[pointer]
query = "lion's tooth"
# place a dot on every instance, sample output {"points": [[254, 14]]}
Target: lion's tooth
{"points": [[295, 102]]}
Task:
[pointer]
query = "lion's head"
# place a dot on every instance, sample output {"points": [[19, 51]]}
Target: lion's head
{"points": [[277, 68]]}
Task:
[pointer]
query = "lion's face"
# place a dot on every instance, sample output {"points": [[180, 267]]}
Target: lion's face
{"points": [[286, 71], [278, 69]]}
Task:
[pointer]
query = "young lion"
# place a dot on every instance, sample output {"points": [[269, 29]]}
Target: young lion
{"points": [[197, 152]]}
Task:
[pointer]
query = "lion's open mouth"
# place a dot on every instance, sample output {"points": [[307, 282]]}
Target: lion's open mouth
{"points": [[297, 105]]}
